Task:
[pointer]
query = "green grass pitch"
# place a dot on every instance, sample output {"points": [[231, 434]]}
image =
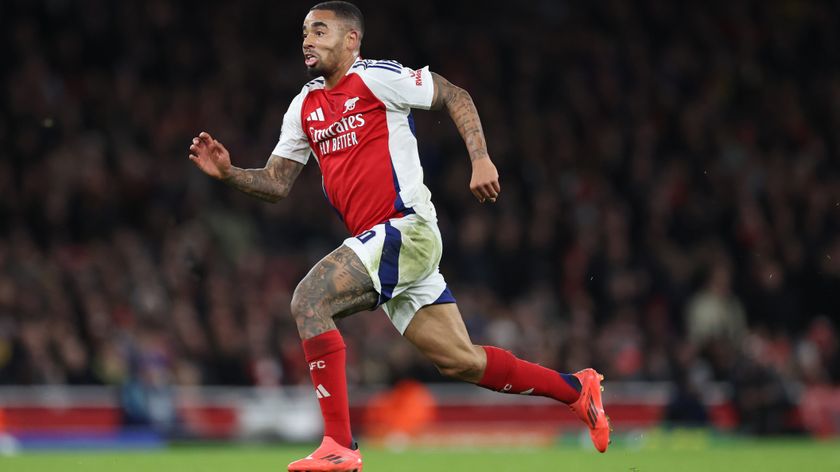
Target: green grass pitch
{"points": [[742, 456]]}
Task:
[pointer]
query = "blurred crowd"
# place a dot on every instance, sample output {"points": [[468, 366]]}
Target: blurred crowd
{"points": [[670, 205]]}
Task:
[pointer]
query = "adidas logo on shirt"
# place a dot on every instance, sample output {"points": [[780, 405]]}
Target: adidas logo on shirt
{"points": [[321, 392], [317, 115]]}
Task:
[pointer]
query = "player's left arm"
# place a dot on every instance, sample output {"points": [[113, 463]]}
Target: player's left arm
{"points": [[484, 183]]}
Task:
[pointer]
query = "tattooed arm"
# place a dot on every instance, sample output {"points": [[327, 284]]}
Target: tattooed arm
{"points": [[271, 183], [484, 183]]}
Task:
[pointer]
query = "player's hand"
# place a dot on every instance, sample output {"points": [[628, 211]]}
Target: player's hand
{"points": [[210, 156], [484, 183]]}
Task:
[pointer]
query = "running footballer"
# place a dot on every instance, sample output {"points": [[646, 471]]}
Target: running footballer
{"points": [[354, 118]]}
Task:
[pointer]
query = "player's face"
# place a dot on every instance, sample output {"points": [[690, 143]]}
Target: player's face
{"points": [[324, 42]]}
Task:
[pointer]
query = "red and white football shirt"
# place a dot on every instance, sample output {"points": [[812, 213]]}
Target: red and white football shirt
{"points": [[362, 134]]}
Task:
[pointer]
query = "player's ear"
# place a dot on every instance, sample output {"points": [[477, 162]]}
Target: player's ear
{"points": [[353, 40]]}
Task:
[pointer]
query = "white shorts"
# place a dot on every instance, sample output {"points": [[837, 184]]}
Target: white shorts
{"points": [[402, 257]]}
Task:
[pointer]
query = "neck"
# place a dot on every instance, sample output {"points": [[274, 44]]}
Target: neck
{"points": [[332, 80]]}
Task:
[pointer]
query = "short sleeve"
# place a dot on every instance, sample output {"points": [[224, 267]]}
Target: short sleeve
{"points": [[398, 86], [293, 143]]}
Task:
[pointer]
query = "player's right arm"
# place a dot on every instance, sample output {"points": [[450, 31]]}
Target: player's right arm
{"points": [[272, 183]]}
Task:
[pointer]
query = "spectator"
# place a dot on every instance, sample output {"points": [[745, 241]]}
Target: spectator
{"points": [[715, 314], [630, 141]]}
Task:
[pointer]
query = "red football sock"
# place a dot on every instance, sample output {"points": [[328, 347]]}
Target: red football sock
{"points": [[325, 354], [507, 373]]}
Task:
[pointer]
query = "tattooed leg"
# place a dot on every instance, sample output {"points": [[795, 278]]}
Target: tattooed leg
{"points": [[337, 286]]}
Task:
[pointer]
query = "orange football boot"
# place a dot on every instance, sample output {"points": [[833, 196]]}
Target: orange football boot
{"points": [[590, 409], [329, 457]]}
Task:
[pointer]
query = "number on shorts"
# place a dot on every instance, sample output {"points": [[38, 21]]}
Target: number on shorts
{"points": [[366, 236]]}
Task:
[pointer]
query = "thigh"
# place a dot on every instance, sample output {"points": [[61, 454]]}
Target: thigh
{"points": [[398, 254], [337, 286], [439, 333]]}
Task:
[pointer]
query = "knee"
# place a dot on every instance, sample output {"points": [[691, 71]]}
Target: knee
{"points": [[467, 366], [303, 301]]}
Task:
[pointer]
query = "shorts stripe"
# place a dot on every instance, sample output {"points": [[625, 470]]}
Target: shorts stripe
{"points": [[445, 297], [389, 264], [398, 202]]}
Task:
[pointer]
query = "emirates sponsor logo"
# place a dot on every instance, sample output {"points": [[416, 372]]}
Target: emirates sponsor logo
{"points": [[343, 125]]}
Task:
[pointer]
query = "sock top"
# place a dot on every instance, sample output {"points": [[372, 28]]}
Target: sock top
{"points": [[323, 344]]}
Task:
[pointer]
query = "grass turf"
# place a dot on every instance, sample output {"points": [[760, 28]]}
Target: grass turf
{"points": [[742, 456]]}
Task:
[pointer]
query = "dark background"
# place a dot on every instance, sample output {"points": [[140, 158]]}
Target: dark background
{"points": [[670, 204]]}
